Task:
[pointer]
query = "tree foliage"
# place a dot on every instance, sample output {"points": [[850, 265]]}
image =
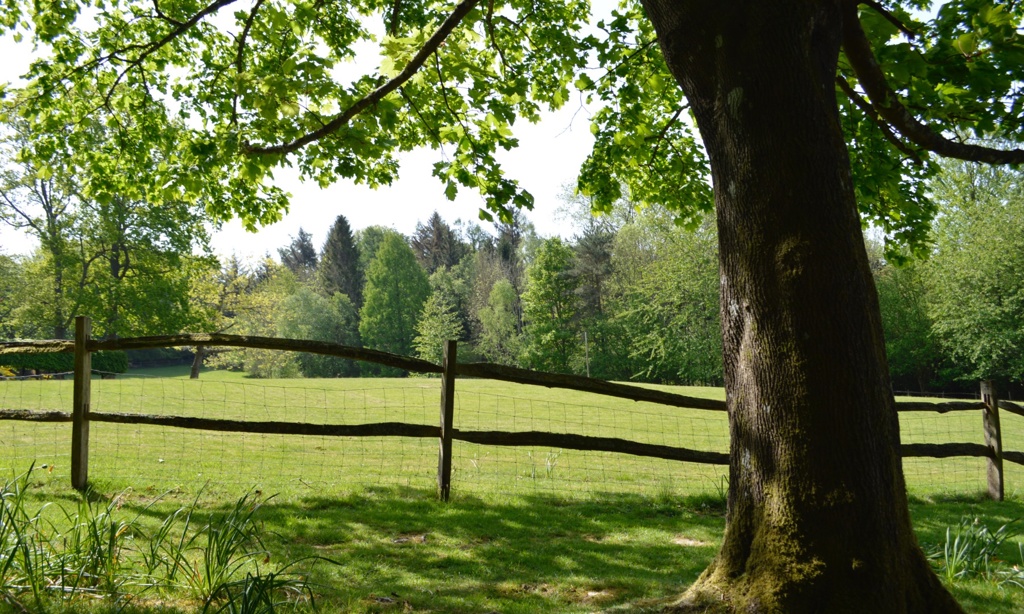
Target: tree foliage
{"points": [[339, 264], [977, 272], [11, 282], [40, 202], [307, 315], [438, 323], [254, 309], [436, 244], [552, 339], [300, 256], [668, 283], [777, 91], [396, 288], [910, 344], [500, 340]]}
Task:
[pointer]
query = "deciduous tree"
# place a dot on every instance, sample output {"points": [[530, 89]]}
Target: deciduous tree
{"points": [[307, 315], [500, 339], [667, 299], [39, 198], [11, 285], [807, 111], [552, 339], [440, 319], [976, 276], [436, 244], [396, 288], [910, 344]]}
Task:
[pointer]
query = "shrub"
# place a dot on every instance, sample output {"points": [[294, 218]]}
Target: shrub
{"points": [[159, 357], [112, 362], [51, 363]]}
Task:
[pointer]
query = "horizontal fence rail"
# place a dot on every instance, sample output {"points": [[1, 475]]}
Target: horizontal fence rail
{"points": [[81, 413]]}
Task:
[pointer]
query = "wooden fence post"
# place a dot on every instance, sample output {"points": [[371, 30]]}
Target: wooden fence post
{"points": [[993, 439], [80, 409], [444, 453]]}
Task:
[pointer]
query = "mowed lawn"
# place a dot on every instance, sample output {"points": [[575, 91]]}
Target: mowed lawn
{"points": [[527, 529]]}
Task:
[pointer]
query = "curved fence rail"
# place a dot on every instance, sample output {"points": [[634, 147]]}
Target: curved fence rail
{"points": [[81, 414]]}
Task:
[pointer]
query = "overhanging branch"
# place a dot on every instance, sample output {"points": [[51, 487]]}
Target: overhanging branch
{"points": [[432, 44], [240, 55], [872, 114], [881, 10], [152, 48], [887, 103]]}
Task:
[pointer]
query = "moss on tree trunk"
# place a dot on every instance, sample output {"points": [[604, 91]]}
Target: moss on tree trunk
{"points": [[818, 518]]}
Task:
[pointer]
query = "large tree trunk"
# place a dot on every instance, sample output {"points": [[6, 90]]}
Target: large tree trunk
{"points": [[817, 517]]}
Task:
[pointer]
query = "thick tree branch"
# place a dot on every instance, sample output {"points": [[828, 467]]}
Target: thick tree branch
{"points": [[881, 10], [490, 33], [161, 15], [432, 44], [180, 29], [150, 48], [872, 114], [240, 56], [887, 103], [395, 12], [658, 140]]}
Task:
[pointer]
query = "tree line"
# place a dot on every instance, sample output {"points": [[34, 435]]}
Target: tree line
{"points": [[632, 295]]}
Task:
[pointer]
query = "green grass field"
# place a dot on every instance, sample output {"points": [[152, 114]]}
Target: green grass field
{"points": [[527, 530]]}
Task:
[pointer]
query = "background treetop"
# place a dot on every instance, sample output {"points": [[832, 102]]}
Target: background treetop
{"points": [[223, 92]]}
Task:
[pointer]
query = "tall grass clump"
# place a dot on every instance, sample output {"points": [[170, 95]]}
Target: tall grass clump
{"points": [[226, 545], [972, 551], [96, 550]]}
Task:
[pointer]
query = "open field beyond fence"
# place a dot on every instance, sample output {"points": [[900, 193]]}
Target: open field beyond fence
{"points": [[158, 458]]}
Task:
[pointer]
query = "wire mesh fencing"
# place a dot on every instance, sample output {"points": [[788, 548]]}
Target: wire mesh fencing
{"points": [[959, 474], [582, 472], [24, 443], [159, 458]]}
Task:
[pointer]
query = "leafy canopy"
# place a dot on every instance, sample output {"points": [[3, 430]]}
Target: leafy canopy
{"points": [[222, 92]]}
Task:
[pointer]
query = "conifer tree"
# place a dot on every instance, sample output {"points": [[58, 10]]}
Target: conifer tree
{"points": [[339, 264]]}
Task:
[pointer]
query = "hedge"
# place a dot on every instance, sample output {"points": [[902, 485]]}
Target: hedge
{"points": [[112, 362]]}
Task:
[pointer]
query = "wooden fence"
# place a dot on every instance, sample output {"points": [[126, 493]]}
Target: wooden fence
{"points": [[81, 415]]}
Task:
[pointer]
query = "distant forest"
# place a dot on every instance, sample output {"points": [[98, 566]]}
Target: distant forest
{"points": [[632, 295]]}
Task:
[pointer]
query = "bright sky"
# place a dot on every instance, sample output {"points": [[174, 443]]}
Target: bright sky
{"points": [[549, 156]]}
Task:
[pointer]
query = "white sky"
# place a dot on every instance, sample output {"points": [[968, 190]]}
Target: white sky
{"points": [[549, 156]]}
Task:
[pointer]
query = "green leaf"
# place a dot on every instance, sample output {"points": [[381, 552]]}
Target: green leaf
{"points": [[967, 44]]}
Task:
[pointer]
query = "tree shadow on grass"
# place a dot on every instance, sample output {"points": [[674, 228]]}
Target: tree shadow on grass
{"points": [[400, 549], [933, 515], [396, 549]]}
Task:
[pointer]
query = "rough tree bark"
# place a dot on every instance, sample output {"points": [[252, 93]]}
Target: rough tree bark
{"points": [[817, 512]]}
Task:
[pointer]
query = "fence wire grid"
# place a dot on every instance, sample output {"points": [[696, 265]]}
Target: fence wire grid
{"points": [[161, 458]]}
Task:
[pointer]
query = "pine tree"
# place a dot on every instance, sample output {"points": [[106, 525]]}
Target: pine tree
{"points": [[299, 256], [436, 245], [339, 264]]}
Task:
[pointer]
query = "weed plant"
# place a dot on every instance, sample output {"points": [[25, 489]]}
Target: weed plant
{"points": [[92, 552], [973, 551]]}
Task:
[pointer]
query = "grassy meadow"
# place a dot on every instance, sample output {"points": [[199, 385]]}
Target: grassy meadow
{"points": [[357, 520]]}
